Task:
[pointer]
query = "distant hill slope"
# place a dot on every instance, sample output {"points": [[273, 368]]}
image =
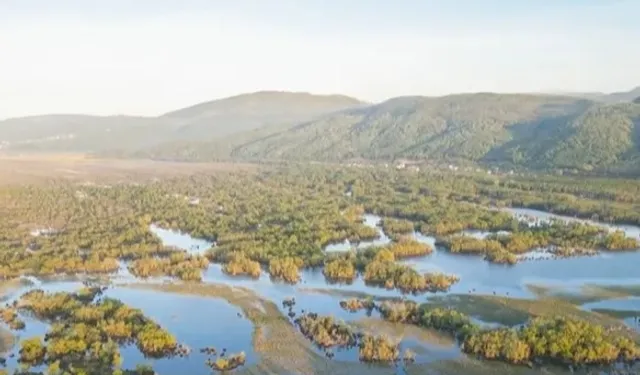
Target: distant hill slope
{"points": [[78, 133], [615, 97], [624, 96], [206, 121], [537, 131], [533, 131], [252, 111]]}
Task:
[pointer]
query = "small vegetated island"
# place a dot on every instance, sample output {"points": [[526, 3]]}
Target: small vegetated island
{"points": [[556, 237], [87, 330]]}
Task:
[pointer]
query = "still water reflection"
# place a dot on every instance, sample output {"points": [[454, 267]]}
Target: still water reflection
{"points": [[199, 322]]}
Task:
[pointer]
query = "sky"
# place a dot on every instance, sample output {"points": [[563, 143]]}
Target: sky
{"points": [[148, 57]]}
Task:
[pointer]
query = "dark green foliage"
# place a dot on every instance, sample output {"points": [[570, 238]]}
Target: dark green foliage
{"points": [[534, 131], [522, 130]]}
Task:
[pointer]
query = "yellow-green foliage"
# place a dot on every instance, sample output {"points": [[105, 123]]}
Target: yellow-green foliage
{"points": [[393, 227], [178, 264], [239, 264], [10, 317], [340, 270], [619, 241], [378, 349], [392, 275], [229, 363], [559, 339], [32, 351], [155, 342], [87, 333], [407, 247], [325, 332], [501, 256], [286, 269]]}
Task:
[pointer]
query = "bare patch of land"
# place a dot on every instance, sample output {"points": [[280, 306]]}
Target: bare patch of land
{"points": [[34, 168]]}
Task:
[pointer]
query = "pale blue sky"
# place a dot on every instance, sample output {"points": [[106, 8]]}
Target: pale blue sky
{"points": [[150, 56]]}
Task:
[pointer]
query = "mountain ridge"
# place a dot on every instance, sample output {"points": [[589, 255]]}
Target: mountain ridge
{"points": [[523, 130], [205, 120]]}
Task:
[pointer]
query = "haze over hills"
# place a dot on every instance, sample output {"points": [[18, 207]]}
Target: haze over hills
{"points": [[614, 97], [533, 131], [252, 111], [208, 120]]}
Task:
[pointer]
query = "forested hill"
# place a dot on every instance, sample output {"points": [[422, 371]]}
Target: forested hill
{"points": [[205, 121], [614, 97], [537, 131], [531, 131]]}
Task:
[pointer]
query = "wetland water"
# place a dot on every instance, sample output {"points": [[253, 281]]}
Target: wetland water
{"points": [[200, 321]]}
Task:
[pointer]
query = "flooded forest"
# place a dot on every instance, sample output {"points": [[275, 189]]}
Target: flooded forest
{"points": [[321, 269]]}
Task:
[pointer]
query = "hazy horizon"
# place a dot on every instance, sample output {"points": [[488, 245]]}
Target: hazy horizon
{"points": [[151, 57]]}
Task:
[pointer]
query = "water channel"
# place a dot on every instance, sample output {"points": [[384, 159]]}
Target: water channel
{"points": [[200, 322]]}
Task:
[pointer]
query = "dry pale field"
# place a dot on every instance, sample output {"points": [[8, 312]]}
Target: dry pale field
{"points": [[33, 168]]}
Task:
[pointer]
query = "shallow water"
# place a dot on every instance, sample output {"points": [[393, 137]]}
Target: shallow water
{"points": [[184, 241], [199, 321], [476, 275], [369, 220], [629, 304], [545, 217]]}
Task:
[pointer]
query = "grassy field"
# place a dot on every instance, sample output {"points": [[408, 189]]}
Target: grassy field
{"points": [[34, 168], [588, 293]]}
